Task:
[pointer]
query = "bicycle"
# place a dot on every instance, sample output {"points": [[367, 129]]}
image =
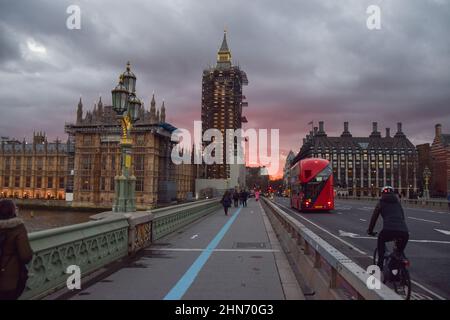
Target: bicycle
{"points": [[395, 269]]}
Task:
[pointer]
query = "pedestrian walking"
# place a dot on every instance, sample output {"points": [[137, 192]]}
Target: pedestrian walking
{"points": [[226, 201], [236, 198], [243, 196], [15, 252], [257, 195]]}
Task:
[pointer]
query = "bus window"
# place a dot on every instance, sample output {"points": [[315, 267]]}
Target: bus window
{"points": [[313, 188]]}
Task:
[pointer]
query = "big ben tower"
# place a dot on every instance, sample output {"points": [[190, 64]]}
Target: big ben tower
{"points": [[222, 103]]}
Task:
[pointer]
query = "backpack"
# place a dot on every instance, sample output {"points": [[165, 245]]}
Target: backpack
{"points": [[2, 241], [23, 271], [23, 278]]}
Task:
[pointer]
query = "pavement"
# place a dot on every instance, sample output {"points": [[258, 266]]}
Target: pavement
{"points": [[428, 249], [218, 257]]}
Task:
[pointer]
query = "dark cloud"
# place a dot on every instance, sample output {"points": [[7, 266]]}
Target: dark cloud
{"points": [[306, 60]]}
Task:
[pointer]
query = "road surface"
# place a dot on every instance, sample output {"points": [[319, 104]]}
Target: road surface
{"points": [[428, 249]]}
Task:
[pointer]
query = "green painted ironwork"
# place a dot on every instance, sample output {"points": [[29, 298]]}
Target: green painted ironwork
{"points": [[89, 245], [93, 245], [178, 217]]}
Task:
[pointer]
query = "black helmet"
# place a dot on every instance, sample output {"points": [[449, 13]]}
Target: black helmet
{"points": [[387, 190]]}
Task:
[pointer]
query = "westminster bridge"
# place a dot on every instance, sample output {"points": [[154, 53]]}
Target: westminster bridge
{"points": [[194, 251]]}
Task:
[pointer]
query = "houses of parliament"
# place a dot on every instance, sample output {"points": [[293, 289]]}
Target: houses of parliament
{"points": [[83, 168]]}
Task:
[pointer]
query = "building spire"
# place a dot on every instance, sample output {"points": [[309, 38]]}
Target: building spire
{"points": [[94, 112], [163, 113], [153, 109], [224, 46], [80, 112], [224, 54]]}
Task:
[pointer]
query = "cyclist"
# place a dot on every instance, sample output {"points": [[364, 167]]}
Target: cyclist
{"points": [[394, 225]]}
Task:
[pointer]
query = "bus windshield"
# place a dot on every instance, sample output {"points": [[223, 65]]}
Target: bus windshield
{"points": [[314, 187], [322, 175]]}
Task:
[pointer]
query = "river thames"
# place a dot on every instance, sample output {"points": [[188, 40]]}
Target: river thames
{"points": [[39, 219]]}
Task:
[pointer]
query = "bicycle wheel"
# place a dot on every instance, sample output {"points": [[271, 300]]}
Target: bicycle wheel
{"points": [[403, 285], [375, 257]]}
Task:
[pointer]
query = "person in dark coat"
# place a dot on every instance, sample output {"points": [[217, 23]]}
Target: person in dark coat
{"points": [[243, 196], [15, 251], [226, 201], [236, 198], [394, 225]]}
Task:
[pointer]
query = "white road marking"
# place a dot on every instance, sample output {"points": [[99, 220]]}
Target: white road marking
{"points": [[446, 232], [428, 290], [430, 241], [419, 296], [425, 210], [363, 220], [432, 221], [215, 250], [365, 254], [333, 235], [357, 236], [353, 235], [194, 236], [339, 212], [347, 234]]}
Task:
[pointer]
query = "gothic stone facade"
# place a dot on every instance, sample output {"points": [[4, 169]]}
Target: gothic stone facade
{"points": [[97, 158], [36, 170], [363, 165]]}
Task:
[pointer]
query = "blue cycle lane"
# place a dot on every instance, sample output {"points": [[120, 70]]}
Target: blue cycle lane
{"points": [[217, 257]]}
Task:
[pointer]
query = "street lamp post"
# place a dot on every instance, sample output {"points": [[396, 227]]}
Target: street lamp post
{"points": [[126, 105], [426, 176]]}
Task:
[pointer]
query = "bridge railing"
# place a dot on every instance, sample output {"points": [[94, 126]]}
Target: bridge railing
{"points": [[95, 244], [90, 245], [328, 272], [166, 221], [422, 203]]}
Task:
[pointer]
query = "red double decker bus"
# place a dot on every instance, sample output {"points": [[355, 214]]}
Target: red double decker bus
{"points": [[311, 182]]}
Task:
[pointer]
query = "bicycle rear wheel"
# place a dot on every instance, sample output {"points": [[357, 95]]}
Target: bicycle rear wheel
{"points": [[403, 286]]}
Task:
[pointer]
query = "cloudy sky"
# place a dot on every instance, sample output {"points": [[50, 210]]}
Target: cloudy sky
{"points": [[305, 60]]}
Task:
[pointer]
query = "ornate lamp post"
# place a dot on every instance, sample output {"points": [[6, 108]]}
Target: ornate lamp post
{"points": [[126, 105], [426, 176]]}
